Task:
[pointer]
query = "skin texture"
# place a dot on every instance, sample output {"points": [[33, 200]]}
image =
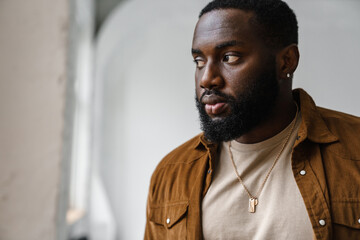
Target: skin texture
{"points": [[229, 55]]}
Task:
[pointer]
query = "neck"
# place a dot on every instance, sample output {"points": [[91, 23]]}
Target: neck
{"points": [[281, 116]]}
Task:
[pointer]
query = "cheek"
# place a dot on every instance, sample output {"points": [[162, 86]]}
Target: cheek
{"points": [[198, 76], [235, 80], [197, 83], [239, 76]]}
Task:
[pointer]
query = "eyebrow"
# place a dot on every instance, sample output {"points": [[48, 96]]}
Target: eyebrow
{"points": [[229, 44], [196, 51], [220, 46]]}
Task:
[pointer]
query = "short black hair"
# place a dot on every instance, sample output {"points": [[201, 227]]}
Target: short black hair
{"points": [[275, 20]]}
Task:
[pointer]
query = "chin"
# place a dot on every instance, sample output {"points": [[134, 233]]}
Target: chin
{"points": [[219, 117], [216, 118]]}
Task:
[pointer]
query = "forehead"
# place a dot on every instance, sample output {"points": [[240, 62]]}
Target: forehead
{"points": [[225, 25]]}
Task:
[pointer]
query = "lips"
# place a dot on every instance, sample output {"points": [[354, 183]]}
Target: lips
{"points": [[214, 109], [214, 105]]}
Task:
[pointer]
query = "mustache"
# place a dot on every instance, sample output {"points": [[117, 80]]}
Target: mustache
{"points": [[228, 98]]}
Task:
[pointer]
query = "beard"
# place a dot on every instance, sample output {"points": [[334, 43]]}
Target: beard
{"points": [[247, 110]]}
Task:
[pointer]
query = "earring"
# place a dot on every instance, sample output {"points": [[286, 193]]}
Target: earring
{"points": [[288, 75]]}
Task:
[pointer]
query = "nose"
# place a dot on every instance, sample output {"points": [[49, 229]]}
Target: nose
{"points": [[211, 77]]}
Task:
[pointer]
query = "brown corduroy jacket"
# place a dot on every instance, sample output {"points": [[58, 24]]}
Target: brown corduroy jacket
{"points": [[327, 148]]}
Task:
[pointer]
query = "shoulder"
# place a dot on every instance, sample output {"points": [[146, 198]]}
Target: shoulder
{"points": [[340, 123], [183, 154], [180, 162], [177, 171], [346, 128], [339, 116]]}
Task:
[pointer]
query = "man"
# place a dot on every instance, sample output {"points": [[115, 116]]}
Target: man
{"points": [[270, 164]]}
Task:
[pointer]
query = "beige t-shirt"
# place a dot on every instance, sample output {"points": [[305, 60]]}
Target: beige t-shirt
{"points": [[280, 213]]}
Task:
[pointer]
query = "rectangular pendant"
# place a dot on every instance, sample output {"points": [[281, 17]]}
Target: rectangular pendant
{"points": [[252, 204]]}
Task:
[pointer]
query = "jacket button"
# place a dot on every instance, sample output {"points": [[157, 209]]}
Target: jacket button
{"points": [[302, 172], [322, 222], [168, 221]]}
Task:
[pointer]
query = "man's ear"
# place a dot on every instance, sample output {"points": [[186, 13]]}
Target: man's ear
{"points": [[287, 61]]}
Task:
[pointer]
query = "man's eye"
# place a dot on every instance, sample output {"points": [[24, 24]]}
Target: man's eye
{"points": [[199, 63], [230, 58]]}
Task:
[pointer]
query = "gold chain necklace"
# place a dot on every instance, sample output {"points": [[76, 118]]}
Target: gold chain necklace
{"points": [[253, 199]]}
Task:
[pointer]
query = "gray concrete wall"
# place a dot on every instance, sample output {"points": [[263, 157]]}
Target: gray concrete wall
{"points": [[33, 46]]}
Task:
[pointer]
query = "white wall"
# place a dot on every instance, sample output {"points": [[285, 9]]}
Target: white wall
{"points": [[145, 87], [329, 35], [33, 46]]}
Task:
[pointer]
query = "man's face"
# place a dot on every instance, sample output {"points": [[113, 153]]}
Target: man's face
{"points": [[236, 83]]}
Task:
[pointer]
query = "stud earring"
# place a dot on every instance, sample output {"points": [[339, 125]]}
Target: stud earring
{"points": [[288, 75]]}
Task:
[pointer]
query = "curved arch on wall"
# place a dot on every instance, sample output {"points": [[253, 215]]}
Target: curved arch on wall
{"points": [[145, 99]]}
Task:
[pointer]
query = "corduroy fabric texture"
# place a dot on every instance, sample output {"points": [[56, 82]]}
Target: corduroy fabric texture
{"points": [[327, 148]]}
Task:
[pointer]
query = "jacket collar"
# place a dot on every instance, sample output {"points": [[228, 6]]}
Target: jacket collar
{"points": [[203, 143], [312, 127]]}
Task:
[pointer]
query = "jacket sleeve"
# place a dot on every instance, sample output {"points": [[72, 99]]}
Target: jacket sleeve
{"points": [[147, 225], [148, 228], [153, 227]]}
